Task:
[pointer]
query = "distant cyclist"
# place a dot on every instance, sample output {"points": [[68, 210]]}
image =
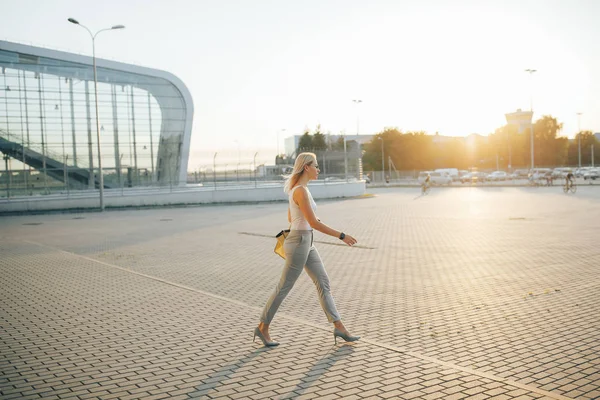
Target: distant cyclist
{"points": [[569, 179], [426, 183]]}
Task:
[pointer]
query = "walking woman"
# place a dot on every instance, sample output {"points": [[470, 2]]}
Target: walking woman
{"points": [[300, 252]]}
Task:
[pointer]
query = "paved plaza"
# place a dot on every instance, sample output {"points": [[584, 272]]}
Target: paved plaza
{"points": [[466, 293]]}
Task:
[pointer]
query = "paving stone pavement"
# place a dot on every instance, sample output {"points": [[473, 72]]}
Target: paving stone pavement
{"points": [[466, 293]]}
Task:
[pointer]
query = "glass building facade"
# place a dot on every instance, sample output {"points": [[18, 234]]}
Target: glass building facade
{"points": [[48, 130]]}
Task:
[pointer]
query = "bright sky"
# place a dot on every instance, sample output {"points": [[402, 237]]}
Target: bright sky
{"points": [[257, 67]]}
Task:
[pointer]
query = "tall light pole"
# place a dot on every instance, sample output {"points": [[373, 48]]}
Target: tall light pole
{"points": [[382, 160], [509, 151], [359, 172], [531, 71], [579, 136], [345, 160], [93, 36]]}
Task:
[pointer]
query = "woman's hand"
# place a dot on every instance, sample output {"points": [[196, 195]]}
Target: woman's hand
{"points": [[349, 240]]}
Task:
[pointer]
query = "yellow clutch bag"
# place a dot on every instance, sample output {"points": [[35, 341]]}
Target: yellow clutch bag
{"points": [[280, 241]]}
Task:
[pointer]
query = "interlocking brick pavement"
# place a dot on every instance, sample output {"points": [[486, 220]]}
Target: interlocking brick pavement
{"points": [[464, 293]]}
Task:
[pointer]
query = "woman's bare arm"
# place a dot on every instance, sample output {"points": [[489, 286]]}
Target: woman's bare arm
{"points": [[301, 198]]}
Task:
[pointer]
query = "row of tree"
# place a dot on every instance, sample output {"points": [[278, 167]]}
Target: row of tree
{"points": [[501, 149], [317, 141]]}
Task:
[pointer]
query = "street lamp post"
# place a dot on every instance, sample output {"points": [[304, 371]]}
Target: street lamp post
{"points": [[359, 172], [579, 137], [93, 36], [531, 71], [509, 151], [382, 160], [345, 160]]}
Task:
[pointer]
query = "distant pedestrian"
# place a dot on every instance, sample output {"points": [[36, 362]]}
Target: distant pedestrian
{"points": [[300, 253]]}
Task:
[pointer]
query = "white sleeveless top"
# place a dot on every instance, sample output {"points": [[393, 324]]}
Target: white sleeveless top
{"points": [[299, 223]]}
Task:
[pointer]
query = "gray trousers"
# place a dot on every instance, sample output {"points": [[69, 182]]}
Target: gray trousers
{"points": [[301, 254]]}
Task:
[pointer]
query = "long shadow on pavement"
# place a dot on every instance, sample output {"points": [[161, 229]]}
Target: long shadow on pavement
{"points": [[319, 369], [224, 373]]}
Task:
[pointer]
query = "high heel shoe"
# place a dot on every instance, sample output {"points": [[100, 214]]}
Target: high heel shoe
{"points": [[348, 338], [258, 333]]}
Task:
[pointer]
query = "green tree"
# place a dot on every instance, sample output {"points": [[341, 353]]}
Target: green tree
{"points": [[372, 149], [545, 131], [508, 144], [338, 145], [420, 151], [562, 151], [370, 158], [305, 143], [318, 140], [548, 149], [425, 151], [587, 140]]}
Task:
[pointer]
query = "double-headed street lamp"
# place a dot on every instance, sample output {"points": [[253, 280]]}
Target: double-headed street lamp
{"points": [[93, 36]]}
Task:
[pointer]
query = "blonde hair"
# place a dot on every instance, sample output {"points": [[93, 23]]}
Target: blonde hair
{"points": [[302, 160]]}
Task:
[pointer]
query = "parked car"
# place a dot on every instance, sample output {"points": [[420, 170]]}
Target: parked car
{"points": [[520, 174], [592, 174], [497, 176], [437, 178], [540, 173], [451, 172], [580, 172], [560, 173], [474, 177]]}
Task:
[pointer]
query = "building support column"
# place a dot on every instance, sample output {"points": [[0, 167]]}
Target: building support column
{"points": [[39, 78], [151, 140], [91, 181], [135, 161], [73, 122], [113, 95]]}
